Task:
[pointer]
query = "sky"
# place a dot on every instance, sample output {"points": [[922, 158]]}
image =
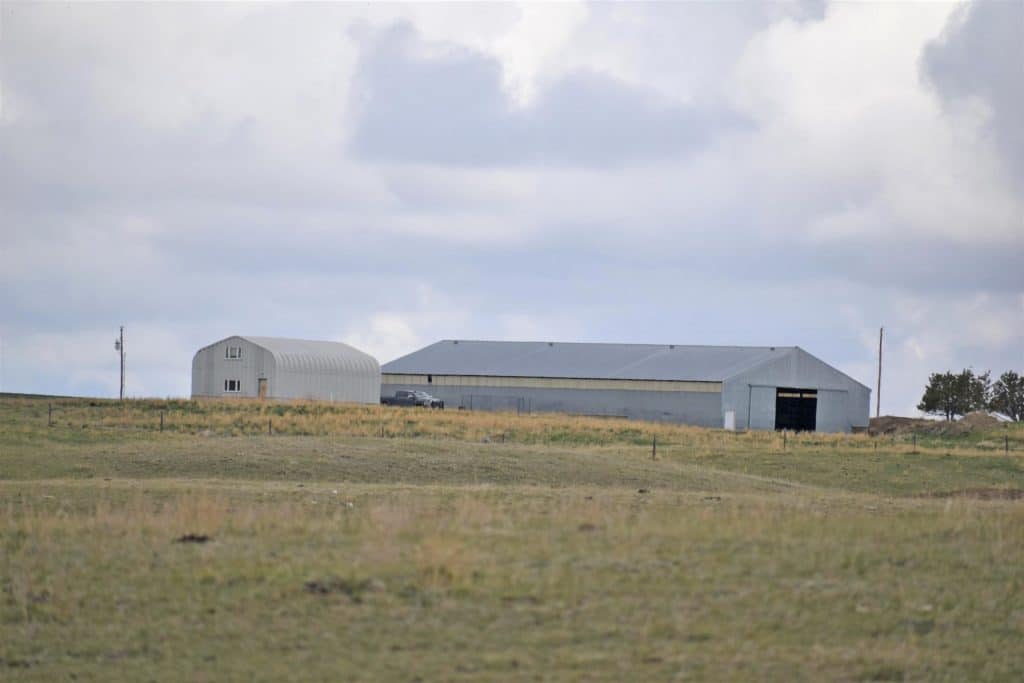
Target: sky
{"points": [[790, 173]]}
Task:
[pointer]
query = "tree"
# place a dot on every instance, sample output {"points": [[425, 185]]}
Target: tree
{"points": [[940, 395], [952, 395], [976, 390], [1008, 395]]}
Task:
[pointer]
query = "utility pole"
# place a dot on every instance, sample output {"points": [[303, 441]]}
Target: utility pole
{"points": [[119, 346], [878, 391]]}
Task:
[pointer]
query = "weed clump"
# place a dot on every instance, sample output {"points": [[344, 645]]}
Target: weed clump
{"points": [[193, 538], [351, 587]]}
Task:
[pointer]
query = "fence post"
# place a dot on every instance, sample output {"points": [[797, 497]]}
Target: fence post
{"points": [[915, 442], [270, 426], [49, 414], [654, 447], [161, 420]]}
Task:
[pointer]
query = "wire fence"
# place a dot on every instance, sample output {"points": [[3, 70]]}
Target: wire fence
{"points": [[249, 418]]}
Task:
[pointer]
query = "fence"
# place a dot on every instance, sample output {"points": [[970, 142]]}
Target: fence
{"points": [[238, 418], [495, 403]]}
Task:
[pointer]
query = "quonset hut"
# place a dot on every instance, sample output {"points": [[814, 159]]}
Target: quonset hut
{"points": [[274, 368], [736, 387]]}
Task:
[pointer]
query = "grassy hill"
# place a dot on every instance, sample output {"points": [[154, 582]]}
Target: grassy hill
{"points": [[365, 543]]}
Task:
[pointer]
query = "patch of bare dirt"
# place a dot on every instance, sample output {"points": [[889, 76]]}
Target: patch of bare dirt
{"points": [[986, 493], [353, 588], [890, 424]]}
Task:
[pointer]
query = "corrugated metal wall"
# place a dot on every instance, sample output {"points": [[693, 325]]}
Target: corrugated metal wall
{"points": [[210, 368], [762, 407], [343, 379], [833, 414], [702, 407], [842, 402], [291, 377], [551, 383]]}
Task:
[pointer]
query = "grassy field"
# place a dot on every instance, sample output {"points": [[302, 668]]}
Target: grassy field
{"points": [[464, 546]]}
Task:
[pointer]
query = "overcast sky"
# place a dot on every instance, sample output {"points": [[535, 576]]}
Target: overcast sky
{"points": [[767, 174]]}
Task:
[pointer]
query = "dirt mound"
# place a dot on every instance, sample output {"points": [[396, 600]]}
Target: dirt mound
{"points": [[980, 420], [989, 493], [890, 424]]}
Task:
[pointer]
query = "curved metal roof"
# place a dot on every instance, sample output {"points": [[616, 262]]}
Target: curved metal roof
{"points": [[317, 357]]}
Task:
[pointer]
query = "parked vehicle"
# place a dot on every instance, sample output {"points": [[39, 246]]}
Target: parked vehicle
{"points": [[412, 398], [401, 398]]}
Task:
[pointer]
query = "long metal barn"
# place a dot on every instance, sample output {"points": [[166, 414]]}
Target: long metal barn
{"points": [[276, 368], [736, 387]]}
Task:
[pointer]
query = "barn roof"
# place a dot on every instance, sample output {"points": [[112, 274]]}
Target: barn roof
{"points": [[584, 360], [304, 355]]}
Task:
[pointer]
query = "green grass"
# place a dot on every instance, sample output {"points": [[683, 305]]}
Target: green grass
{"points": [[346, 556]]}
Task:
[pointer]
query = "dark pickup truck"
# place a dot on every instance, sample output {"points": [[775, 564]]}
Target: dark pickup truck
{"points": [[412, 398]]}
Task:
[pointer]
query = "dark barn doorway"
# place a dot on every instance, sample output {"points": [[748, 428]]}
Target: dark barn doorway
{"points": [[796, 409]]}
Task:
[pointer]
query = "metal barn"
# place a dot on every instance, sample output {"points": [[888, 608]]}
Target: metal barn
{"points": [[736, 387], [274, 368]]}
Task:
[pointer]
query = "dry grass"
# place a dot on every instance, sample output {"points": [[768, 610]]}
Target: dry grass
{"points": [[486, 583], [435, 556], [81, 418]]}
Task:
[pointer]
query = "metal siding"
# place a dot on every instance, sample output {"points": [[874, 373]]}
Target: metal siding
{"points": [[762, 407], [833, 414], [266, 369], [799, 369], [740, 374], [210, 368], [859, 406], [552, 383], [734, 398], [319, 370], [696, 408], [294, 369]]}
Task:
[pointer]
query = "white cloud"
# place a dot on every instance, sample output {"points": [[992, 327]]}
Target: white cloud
{"points": [[533, 327], [842, 103], [187, 170], [531, 47], [926, 335], [428, 317], [173, 66], [385, 336]]}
